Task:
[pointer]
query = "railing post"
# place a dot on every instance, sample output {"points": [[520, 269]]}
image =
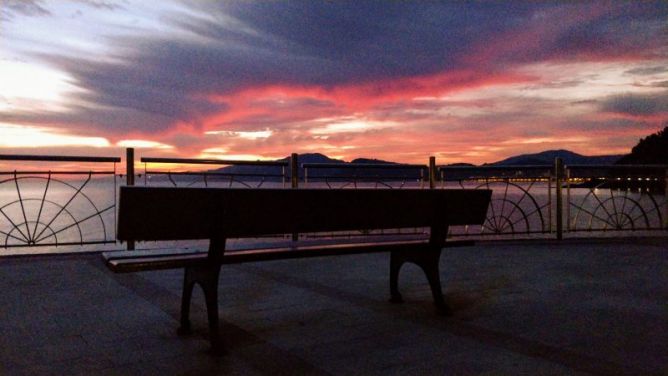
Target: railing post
{"points": [[130, 166], [665, 197], [549, 202], [294, 178], [567, 174], [294, 174], [432, 172], [559, 176], [130, 180]]}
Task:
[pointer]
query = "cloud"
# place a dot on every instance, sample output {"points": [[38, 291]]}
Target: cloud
{"points": [[104, 4], [637, 105], [146, 144], [248, 135], [646, 71], [38, 137], [167, 78], [27, 8], [245, 68]]}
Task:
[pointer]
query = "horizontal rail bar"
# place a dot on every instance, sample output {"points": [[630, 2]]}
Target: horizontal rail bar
{"points": [[387, 166], [613, 230], [209, 173], [502, 234], [213, 161], [352, 235], [619, 167], [362, 177], [494, 178], [18, 172], [58, 244], [56, 158], [518, 167]]}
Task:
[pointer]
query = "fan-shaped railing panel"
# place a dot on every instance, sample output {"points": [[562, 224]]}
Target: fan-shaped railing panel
{"points": [[40, 206]]}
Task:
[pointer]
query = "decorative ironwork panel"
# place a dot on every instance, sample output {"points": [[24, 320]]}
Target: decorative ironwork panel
{"points": [[210, 180], [236, 174], [354, 182], [522, 198], [516, 208], [364, 175], [602, 206], [55, 209]]}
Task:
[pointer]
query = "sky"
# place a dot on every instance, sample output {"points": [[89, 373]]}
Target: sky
{"points": [[395, 80]]}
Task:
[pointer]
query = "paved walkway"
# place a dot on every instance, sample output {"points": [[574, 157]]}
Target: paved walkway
{"points": [[576, 307]]}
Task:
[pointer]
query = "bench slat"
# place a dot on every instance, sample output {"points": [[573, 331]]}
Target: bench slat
{"points": [[133, 261], [129, 265]]}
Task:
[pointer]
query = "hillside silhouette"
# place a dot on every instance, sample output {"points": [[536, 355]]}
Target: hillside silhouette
{"points": [[398, 172], [547, 158], [652, 149]]}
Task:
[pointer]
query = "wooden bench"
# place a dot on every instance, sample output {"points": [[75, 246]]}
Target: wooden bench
{"points": [[152, 213]]}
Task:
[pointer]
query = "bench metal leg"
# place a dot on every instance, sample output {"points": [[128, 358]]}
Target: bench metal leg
{"points": [[428, 261], [207, 277], [211, 296], [395, 264], [186, 296]]}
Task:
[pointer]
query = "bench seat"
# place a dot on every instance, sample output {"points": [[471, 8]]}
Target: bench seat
{"points": [[136, 261]]}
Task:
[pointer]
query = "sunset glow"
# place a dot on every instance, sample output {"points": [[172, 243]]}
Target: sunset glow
{"points": [[143, 144], [15, 136], [465, 82]]}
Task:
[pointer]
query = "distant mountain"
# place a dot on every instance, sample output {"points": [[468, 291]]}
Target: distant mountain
{"points": [[314, 158], [460, 164], [547, 158], [275, 171], [652, 149], [371, 161]]}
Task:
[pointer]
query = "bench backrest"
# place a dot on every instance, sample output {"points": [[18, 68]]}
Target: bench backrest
{"points": [[159, 213]]}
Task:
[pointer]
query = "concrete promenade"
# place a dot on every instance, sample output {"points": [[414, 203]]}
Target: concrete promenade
{"points": [[521, 308]]}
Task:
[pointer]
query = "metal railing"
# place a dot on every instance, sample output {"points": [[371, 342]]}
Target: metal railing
{"points": [[522, 199], [46, 207], [250, 178], [366, 175], [356, 175], [54, 207], [616, 198]]}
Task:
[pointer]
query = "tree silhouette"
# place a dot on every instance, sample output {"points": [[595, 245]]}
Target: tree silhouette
{"points": [[652, 149]]}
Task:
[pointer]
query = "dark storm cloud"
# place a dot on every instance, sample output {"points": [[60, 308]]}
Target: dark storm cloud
{"points": [[31, 8], [618, 29], [94, 122], [308, 43], [647, 71], [378, 40], [637, 105], [606, 125], [104, 4]]}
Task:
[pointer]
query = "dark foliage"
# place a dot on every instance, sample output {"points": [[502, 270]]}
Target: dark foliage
{"points": [[652, 149]]}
